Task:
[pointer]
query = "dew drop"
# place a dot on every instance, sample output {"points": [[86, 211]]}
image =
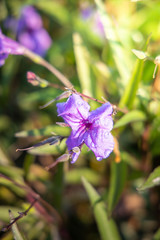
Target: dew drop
{"points": [[92, 144], [99, 158], [79, 104], [106, 153], [106, 135], [97, 121]]}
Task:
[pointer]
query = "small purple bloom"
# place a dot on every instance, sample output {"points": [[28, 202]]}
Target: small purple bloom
{"points": [[90, 15], [30, 31], [8, 46], [92, 128]]}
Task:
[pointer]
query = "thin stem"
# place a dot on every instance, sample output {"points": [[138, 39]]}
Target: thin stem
{"points": [[94, 99], [21, 215], [39, 60]]}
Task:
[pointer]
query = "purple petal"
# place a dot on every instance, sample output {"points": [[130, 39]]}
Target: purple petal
{"points": [[100, 142], [75, 157], [42, 41], [86, 13], [8, 46], [76, 138], [101, 117], [74, 111], [3, 57], [29, 19], [26, 40]]}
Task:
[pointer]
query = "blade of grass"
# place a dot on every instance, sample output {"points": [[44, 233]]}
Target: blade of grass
{"points": [[152, 181], [117, 182], [130, 117], [46, 131], [119, 54], [132, 86], [82, 61], [107, 227], [130, 91]]}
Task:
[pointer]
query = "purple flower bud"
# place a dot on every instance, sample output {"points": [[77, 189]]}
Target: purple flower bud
{"points": [[8, 46], [92, 128]]}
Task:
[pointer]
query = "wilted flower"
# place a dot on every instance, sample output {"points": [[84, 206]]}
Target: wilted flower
{"points": [[92, 128], [8, 46], [30, 31]]}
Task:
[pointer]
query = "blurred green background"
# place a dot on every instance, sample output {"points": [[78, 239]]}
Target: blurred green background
{"points": [[119, 197]]}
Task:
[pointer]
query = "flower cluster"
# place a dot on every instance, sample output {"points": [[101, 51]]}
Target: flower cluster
{"points": [[92, 128], [30, 31]]}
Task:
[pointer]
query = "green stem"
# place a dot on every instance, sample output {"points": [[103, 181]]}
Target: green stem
{"points": [[39, 60]]}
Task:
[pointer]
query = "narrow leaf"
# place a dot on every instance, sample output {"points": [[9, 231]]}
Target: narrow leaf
{"points": [[130, 91], [74, 176], [139, 54], [117, 48], [152, 181], [130, 117], [55, 140], [132, 86], [157, 235], [117, 182], [107, 227], [48, 149], [46, 131], [65, 94], [82, 61]]}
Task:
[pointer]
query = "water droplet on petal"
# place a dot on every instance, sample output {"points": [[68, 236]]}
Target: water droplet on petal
{"points": [[106, 134], [97, 122], [79, 104], [107, 152], [92, 144], [99, 158], [94, 134]]}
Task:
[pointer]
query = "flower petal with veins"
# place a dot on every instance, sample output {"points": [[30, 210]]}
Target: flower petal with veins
{"points": [[92, 128]]}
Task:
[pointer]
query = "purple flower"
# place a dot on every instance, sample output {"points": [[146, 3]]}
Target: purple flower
{"points": [[92, 128], [90, 15], [8, 46], [30, 31]]}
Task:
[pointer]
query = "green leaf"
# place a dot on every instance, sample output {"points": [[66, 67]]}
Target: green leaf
{"points": [[157, 235], [132, 116], [49, 149], [107, 227], [82, 61], [117, 182], [152, 181], [53, 8], [139, 54], [130, 91], [46, 131], [119, 54], [74, 176], [132, 86], [54, 140]]}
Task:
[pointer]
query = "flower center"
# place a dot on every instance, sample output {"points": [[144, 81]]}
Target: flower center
{"points": [[87, 124]]}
